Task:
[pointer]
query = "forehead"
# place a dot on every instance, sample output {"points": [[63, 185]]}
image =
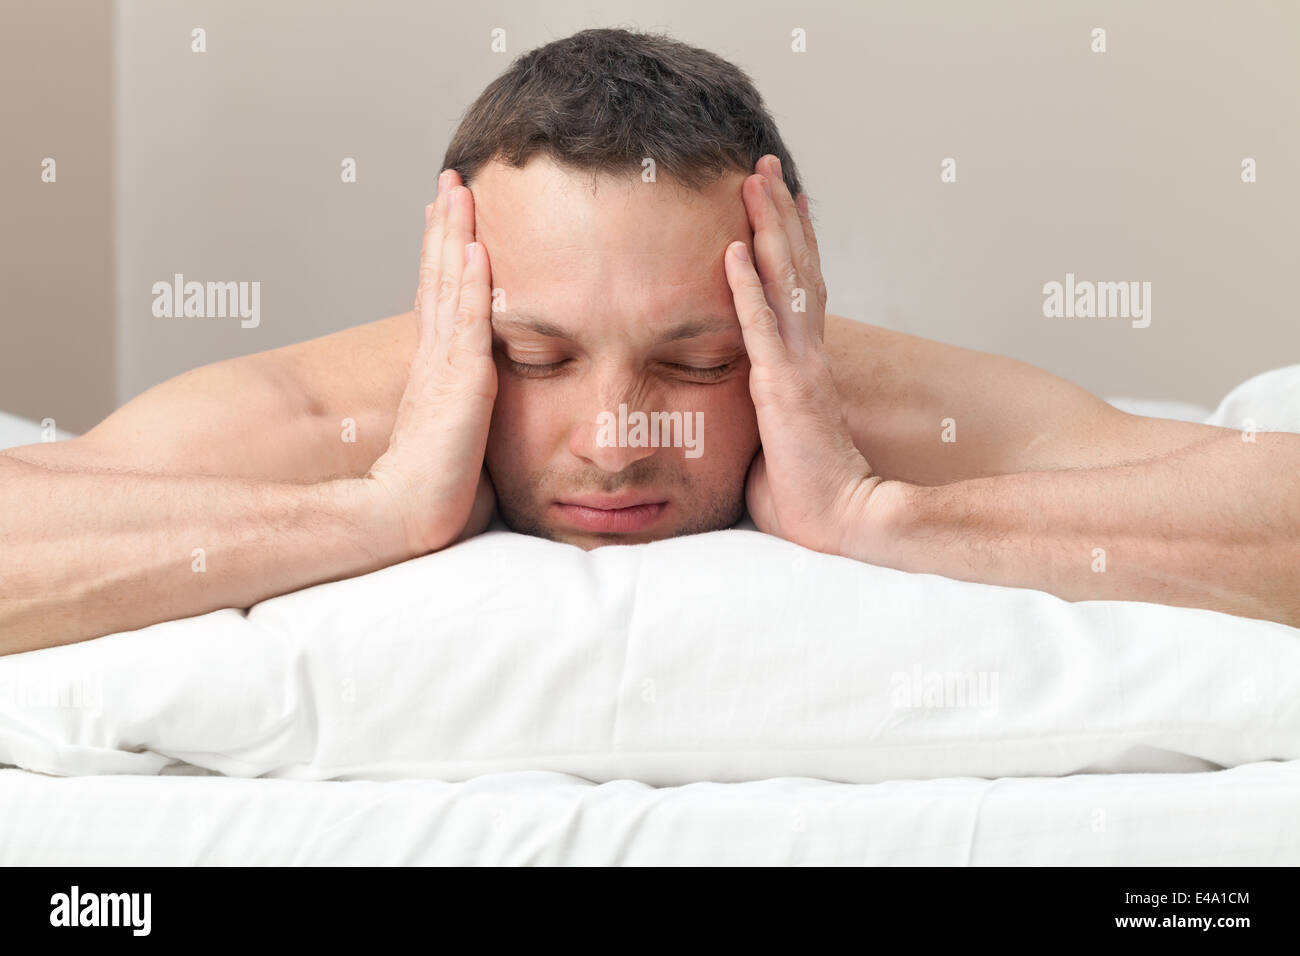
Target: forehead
{"points": [[560, 239]]}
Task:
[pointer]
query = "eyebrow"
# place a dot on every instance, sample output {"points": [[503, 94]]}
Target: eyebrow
{"points": [[690, 329]]}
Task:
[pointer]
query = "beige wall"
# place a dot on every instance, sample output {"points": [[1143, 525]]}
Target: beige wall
{"points": [[56, 238], [1116, 166]]}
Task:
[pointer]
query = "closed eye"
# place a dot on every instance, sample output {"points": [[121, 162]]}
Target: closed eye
{"points": [[530, 370], [714, 371]]}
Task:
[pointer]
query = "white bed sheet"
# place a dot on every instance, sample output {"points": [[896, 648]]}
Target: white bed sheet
{"points": [[1249, 815]]}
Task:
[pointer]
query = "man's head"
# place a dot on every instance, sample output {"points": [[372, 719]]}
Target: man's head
{"points": [[606, 171]]}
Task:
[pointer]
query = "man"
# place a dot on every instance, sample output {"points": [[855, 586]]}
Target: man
{"points": [[620, 229]]}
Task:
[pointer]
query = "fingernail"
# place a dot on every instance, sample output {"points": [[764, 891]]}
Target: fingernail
{"points": [[767, 185], [453, 199], [776, 163], [740, 252], [471, 252], [802, 203], [442, 180], [428, 215]]}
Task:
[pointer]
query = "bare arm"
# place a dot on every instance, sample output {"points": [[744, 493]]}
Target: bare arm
{"points": [[1215, 525], [90, 553], [1048, 486]]}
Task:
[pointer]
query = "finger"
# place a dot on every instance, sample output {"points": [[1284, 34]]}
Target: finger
{"points": [[803, 243], [431, 252], [789, 215], [458, 232], [758, 322], [805, 218], [473, 315], [809, 233], [775, 266], [428, 219], [435, 215]]}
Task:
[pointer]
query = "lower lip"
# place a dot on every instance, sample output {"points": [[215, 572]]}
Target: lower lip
{"points": [[636, 518]]}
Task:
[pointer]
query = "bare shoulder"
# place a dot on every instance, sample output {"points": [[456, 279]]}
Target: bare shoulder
{"points": [[314, 409], [897, 389], [357, 370], [870, 364], [892, 367], [847, 338]]}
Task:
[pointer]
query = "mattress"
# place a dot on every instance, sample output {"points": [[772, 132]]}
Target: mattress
{"points": [[1249, 815]]}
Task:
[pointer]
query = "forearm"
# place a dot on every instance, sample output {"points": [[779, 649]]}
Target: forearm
{"points": [[84, 554], [1216, 525]]}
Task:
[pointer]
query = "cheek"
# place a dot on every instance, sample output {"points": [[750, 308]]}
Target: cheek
{"points": [[733, 419], [526, 425], [730, 435]]}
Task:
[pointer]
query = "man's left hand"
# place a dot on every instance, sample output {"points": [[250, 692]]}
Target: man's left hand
{"points": [[808, 483]]}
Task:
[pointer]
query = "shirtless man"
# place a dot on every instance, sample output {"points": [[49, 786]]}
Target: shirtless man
{"points": [[559, 284]]}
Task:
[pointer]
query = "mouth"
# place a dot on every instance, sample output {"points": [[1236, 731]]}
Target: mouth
{"points": [[612, 513]]}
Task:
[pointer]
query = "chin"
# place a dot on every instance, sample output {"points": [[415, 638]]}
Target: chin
{"points": [[711, 516]]}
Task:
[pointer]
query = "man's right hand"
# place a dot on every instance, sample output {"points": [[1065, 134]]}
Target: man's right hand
{"points": [[432, 475]]}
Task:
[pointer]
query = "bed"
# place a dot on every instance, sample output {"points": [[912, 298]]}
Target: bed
{"points": [[727, 698]]}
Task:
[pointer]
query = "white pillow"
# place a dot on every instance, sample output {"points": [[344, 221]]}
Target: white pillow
{"points": [[1268, 402]]}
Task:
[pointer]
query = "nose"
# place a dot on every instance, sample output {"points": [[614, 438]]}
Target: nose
{"points": [[605, 434]]}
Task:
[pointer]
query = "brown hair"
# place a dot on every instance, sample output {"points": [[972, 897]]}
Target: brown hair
{"points": [[605, 99]]}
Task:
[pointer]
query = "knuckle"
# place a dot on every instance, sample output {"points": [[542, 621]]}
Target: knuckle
{"points": [[474, 373], [448, 287], [780, 283], [428, 278], [789, 275], [763, 316], [466, 313], [807, 264], [802, 390], [769, 390], [764, 385]]}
